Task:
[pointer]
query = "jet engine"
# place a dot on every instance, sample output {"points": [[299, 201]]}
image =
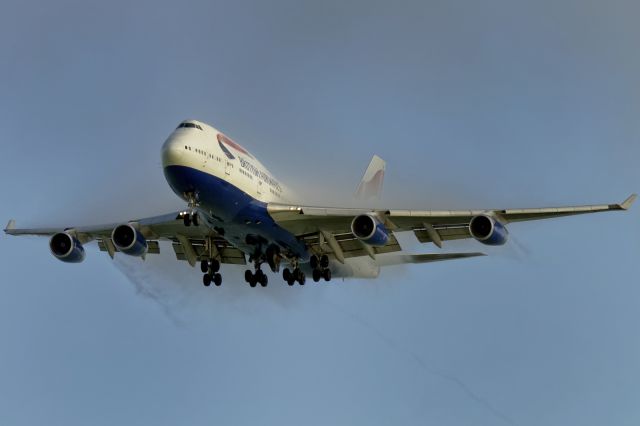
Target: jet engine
{"points": [[369, 230], [129, 240], [66, 248], [488, 230]]}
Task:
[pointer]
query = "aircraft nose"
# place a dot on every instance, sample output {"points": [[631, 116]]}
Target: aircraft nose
{"points": [[172, 151]]}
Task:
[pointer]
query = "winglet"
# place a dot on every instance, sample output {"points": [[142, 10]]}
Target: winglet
{"points": [[11, 225], [626, 204], [371, 184]]}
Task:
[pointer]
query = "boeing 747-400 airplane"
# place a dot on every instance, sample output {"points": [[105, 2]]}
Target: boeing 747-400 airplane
{"points": [[239, 213]]}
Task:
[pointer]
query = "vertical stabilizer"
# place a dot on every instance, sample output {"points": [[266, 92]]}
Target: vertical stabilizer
{"points": [[370, 186]]}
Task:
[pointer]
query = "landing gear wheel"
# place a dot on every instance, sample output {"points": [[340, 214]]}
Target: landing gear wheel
{"points": [[264, 280], [206, 280], [326, 274], [248, 276], [194, 219], [253, 282], [217, 280], [324, 261], [302, 278], [317, 274], [313, 262], [214, 264], [204, 266], [187, 220], [291, 281], [286, 275]]}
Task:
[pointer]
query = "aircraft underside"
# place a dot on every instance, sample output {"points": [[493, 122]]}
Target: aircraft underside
{"points": [[246, 224]]}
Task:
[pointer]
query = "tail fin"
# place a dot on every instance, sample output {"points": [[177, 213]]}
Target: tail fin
{"points": [[370, 186]]}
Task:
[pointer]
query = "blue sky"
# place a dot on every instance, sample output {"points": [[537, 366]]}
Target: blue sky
{"points": [[491, 104]]}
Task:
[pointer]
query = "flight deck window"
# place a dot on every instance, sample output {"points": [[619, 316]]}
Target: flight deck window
{"points": [[190, 126]]}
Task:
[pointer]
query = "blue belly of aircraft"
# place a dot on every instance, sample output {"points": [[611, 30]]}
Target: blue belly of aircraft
{"points": [[243, 220]]}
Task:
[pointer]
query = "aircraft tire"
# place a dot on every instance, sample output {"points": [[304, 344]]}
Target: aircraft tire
{"points": [[324, 261], [286, 275], [215, 265], [326, 274], [317, 274], [206, 280], [217, 280]]}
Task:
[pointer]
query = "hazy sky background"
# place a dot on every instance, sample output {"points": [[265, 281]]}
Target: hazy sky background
{"points": [[472, 104]]}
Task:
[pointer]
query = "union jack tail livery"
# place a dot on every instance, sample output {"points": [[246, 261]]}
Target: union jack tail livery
{"points": [[370, 186]]}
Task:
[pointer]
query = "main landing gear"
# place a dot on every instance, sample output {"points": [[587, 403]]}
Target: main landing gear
{"points": [[256, 278], [320, 268], [292, 276], [210, 268]]}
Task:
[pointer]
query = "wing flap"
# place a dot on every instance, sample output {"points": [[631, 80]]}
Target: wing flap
{"points": [[349, 245], [227, 253]]}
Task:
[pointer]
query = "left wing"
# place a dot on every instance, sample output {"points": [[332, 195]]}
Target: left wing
{"points": [[329, 229], [192, 243]]}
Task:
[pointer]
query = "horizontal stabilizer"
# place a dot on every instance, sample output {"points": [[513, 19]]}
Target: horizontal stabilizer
{"points": [[404, 259]]}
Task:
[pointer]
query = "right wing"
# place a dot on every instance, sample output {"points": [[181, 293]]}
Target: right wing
{"points": [[328, 229], [192, 243]]}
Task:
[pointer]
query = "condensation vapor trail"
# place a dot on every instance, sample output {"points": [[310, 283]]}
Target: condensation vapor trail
{"points": [[393, 345]]}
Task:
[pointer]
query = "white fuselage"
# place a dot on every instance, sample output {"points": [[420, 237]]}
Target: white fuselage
{"points": [[206, 149]]}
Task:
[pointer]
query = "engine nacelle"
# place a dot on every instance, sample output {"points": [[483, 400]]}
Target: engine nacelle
{"points": [[488, 230], [369, 230], [129, 241], [66, 248]]}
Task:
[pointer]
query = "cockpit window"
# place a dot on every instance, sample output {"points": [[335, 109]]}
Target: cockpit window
{"points": [[190, 125]]}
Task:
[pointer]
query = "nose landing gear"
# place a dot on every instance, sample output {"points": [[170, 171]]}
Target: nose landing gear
{"points": [[191, 217]]}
